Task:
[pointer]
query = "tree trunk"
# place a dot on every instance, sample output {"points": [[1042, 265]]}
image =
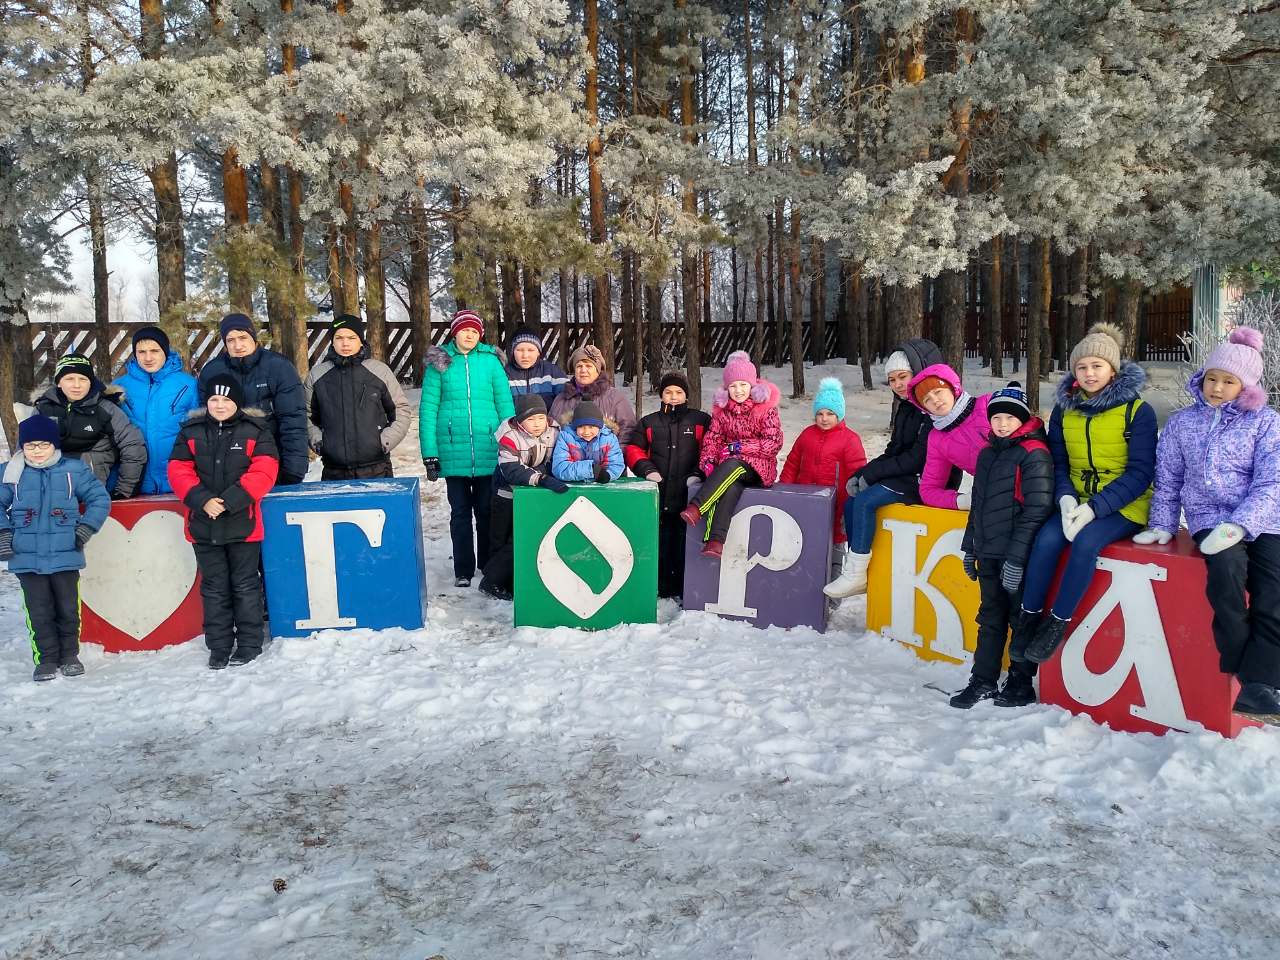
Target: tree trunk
{"points": [[689, 205], [10, 331], [631, 359], [171, 247], [564, 319], [862, 319], [797, 309], [337, 291], [1012, 313], [995, 307], [1045, 253], [349, 250], [1128, 295], [235, 219], [101, 293], [512, 307], [653, 335], [273, 220], [760, 296], [908, 312], [950, 312], [532, 283], [780, 229], [295, 316], [1080, 297], [1036, 293], [419, 287], [600, 305], [375, 293], [818, 299]]}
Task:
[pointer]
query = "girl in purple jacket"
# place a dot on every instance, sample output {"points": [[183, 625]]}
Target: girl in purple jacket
{"points": [[1218, 461]]}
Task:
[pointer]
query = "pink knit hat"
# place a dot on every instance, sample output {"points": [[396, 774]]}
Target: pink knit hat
{"points": [[1240, 356], [738, 366]]}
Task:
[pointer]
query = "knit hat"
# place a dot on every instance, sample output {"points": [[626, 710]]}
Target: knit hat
{"points": [[347, 321], [897, 361], [150, 333], [830, 396], [927, 385], [674, 379], [1240, 356], [225, 385], [529, 405], [236, 321], [466, 320], [591, 354], [1103, 341], [526, 336], [738, 366], [587, 414], [1010, 399], [72, 363], [37, 428]]}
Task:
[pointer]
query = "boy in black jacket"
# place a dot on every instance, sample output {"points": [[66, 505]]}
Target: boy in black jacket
{"points": [[1012, 498], [665, 449]]}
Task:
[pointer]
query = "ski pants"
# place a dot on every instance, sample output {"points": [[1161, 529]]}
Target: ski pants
{"points": [[719, 496], [231, 591], [1247, 632], [53, 614]]}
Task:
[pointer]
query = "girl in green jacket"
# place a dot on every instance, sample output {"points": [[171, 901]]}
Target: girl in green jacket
{"points": [[465, 398]]}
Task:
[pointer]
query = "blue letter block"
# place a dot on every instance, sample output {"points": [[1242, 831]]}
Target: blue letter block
{"points": [[344, 554]]}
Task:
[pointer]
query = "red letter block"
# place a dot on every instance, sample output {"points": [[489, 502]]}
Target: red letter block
{"points": [[1141, 655], [139, 589]]}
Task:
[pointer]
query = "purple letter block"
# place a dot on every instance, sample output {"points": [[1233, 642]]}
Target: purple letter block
{"points": [[776, 560]]}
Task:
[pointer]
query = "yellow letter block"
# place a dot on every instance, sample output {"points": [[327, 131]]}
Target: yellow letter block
{"points": [[917, 592]]}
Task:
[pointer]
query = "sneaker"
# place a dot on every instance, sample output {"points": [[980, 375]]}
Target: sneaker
{"points": [[713, 549], [242, 656], [1256, 700], [1025, 624], [492, 590], [72, 667], [1017, 691], [462, 581], [691, 515], [975, 692], [218, 661], [1047, 639], [45, 670]]}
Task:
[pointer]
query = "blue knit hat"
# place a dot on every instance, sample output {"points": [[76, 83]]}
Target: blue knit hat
{"points": [[37, 428], [830, 396], [587, 414]]}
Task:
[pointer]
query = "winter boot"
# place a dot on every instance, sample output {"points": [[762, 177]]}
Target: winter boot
{"points": [[495, 591], [1047, 639], [1017, 690], [462, 581], [852, 579], [243, 656], [691, 515], [713, 549], [1258, 700], [1024, 630], [218, 660], [72, 667], [975, 692], [45, 670]]}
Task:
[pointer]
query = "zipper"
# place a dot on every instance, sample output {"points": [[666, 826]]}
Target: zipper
{"points": [[1091, 476], [471, 423]]}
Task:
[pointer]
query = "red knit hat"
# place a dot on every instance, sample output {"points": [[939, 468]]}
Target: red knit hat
{"points": [[466, 320]]}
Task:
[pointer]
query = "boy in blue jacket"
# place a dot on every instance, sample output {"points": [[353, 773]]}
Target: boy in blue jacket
{"points": [[588, 450], [42, 535], [158, 395]]}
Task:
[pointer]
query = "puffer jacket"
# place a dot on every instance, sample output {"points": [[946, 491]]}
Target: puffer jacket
{"points": [[523, 459], [1104, 447], [234, 459], [954, 447], [41, 505], [753, 425], [668, 441], [545, 378], [1012, 495], [898, 468], [356, 410], [465, 398], [575, 459], [97, 432], [271, 384], [1220, 465], [157, 403], [826, 458], [619, 414]]}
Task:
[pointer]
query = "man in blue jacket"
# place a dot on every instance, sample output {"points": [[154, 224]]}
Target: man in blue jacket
{"points": [[270, 383], [158, 395]]}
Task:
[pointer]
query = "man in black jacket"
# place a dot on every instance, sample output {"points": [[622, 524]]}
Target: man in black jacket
{"points": [[356, 410], [270, 383]]}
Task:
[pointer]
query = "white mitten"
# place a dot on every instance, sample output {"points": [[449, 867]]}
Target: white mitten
{"points": [[963, 500], [1220, 537], [1065, 506], [1151, 535], [1077, 520]]}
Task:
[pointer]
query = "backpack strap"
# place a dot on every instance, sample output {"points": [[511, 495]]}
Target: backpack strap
{"points": [[1128, 417]]}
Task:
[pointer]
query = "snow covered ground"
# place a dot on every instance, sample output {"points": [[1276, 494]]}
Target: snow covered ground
{"points": [[687, 789]]}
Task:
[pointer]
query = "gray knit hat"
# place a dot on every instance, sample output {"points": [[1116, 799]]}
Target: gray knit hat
{"points": [[529, 405], [1103, 341]]}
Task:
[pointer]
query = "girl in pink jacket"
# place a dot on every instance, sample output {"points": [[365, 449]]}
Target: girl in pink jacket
{"points": [[960, 432]]}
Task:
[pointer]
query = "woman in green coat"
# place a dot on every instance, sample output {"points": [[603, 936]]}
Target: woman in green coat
{"points": [[465, 398]]}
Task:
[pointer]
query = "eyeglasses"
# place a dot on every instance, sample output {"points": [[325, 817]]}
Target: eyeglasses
{"points": [[38, 445]]}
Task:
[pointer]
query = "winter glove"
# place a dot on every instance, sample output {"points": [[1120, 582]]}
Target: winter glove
{"points": [[653, 475], [1065, 506], [83, 533], [287, 479], [963, 500], [431, 465], [6, 544], [855, 486], [1220, 537], [970, 565], [554, 484], [1011, 576], [601, 472], [1151, 535], [1077, 520]]}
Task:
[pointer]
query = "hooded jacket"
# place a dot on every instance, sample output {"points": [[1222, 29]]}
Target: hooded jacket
{"points": [[753, 425], [271, 384], [356, 410], [575, 459], [898, 468], [97, 432], [619, 414], [668, 441], [157, 403], [1012, 495], [41, 505], [465, 398], [1220, 465], [954, 447], [825, 458], [523, 459]]}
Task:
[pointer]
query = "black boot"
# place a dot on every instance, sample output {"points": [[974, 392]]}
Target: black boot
{"points": [[490, 589], [1047, 639], [218, 660], [1024, 629], [975, 692], [1258, 700], [243, 655], [72, 667], [1017, 690], [45, 670]]}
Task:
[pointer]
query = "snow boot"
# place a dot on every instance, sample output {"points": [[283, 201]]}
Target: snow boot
{"points": [[218, 661], [1258, 700], [495, 591], [462, 581], [1017, 691], [45, 670], [72, 667], [713, 549], [852, 579], [1047, 639], [691, 515], [975, 692], [243, 656], [1024, 631]]}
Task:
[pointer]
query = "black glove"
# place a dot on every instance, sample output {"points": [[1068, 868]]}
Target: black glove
{"points": [[432, 467], [287, 479], [554, 484], [970, 566], [117, 495], [83, 533], [6, 544], [601, 472]]}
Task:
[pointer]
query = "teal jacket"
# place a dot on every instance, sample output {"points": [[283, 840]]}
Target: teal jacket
{"points": [[465, 397]]}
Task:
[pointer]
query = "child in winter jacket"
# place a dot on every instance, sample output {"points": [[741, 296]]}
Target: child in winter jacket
{"points": [[528, 371], [1012, 498], [960, 431], [42, 535], [588, 450], [827, 453], [157, 395], [222, 465], [892, 477], [665, 448], [465, 398], [592, 381], [739, 451], [1218, 461], [1103, 440], [526, 443], [94, 428]]}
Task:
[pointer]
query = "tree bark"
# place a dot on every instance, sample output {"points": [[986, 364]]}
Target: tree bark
{"points": [[1128, 301], [908, 312], [171, 247], [1080, 297], [1035, 305], [101, 291], [1012, 313], [950, 312], [689, 205], [512, 305], [235, 213], [273, 220], [995, 308], [601, 307], [419, 287], [375, 293], [653, 335], [818, 299], [337, 291]]}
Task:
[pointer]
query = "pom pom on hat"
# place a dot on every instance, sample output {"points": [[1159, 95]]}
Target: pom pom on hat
{"points": [[1103, 341], [738, 366], [1240, 356], [830, 396], [1010, 399]]}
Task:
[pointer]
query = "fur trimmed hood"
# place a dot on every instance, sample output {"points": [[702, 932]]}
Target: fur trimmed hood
{"points": [[441, 357], [252, 413], [1127, 386]]}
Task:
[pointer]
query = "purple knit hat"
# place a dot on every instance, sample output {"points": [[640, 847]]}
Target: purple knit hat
{"points": [[1240, 356], [738, 366]]}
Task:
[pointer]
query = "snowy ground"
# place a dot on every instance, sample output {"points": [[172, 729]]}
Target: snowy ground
{"points": [[686, 789]]}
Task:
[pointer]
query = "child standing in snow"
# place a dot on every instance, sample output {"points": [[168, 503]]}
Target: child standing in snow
{"points": [[223, 463], [1219, 461], [960, 431], [740, 449], [1012, 498], [42, 535], [525, 446], [1103, 440], [827, 453], [588, 450]]}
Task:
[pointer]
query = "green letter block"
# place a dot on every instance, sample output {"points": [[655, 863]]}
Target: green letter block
{"points": [[587, 558]]}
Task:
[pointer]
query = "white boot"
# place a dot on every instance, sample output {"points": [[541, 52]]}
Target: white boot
{"points": [[852, 579]]}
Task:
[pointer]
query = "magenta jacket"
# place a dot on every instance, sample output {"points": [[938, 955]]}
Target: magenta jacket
{"points": [[954, 447], [753, 423], [1220, 465]]}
